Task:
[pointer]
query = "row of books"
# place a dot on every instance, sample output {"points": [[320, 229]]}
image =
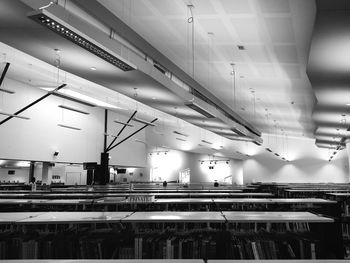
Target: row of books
{"points": [[345, 230], [168, 245]]}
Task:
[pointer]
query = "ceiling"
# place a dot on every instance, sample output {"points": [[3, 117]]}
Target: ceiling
{"points": [[328, 70], [271, 71], [270, 88]]}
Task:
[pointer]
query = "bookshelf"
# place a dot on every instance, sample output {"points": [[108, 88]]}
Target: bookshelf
{"points": [[166, 235]]}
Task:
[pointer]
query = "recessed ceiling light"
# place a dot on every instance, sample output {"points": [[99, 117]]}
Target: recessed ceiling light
{"points": [[347, 104], [93, 68], [240, 47], [154, 98]]}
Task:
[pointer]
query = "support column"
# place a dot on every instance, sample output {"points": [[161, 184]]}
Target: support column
{"points": [[46, 173], [31, 172]]}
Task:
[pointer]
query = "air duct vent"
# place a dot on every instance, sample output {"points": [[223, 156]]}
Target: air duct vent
{"points": [[199, 109]]}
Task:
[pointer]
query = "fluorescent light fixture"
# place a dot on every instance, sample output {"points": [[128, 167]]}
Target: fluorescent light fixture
{"points": [[180, 139], [80, 98], [207, 142], [111, 135], [257, 143], [165, 147], [140, 141], [268, 149], [13, 115], [239, 138], [88, 99], [180, 133], [143, 121], [73, 109], [199, 109], [238, 131], [47, 20], [68, 127], [201, 145], [124, 123], [277, 154], [7, 91]]}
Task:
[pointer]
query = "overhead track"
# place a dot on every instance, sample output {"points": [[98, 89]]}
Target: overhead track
{"points": [[143, 127]]}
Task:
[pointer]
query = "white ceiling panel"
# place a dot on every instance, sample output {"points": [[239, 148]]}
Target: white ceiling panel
{"points": [[236, 6], [274, 6], [280, 29], [286, 53], [258, 53], [247, 29], [216, 26], [166, 7]]}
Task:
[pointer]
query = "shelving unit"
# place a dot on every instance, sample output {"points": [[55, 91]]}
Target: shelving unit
{"points": [[171, 234]]}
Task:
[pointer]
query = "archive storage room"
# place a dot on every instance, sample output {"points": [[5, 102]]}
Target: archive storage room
{"points": [[187, 131]]}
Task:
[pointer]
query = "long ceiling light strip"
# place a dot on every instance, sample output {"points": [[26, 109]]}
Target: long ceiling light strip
{"points": [[63, 96], [73, 109], [207, 142], [124, 123], [180, 139], [199, 109], [14, 115], [140, 141], [68, 127], [45, 18], [180, 133], [143, 121], [7, 91]]}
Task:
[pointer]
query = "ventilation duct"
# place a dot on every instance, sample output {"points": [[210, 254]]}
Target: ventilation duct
{"points": [[199, 109], [53, 23]]}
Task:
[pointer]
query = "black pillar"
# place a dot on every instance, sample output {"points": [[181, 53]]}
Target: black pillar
{"points": [[104, 169], [31, 172]]}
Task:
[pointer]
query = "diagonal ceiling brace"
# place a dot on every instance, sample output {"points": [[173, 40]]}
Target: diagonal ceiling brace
{"points": [[4, 72], [131, 135], [33, 103], [122, 129]]}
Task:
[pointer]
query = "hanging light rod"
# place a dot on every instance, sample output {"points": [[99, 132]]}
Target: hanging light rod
{"points": [[180, 133], [7, 91], [68, 127], [55, 24], [143, 121], [199, 109], [73, 109], [180, 139], [14, 115], [124, 123], [206, 142]]}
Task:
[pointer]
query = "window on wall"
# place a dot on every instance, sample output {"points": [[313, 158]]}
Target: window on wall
{"points": [[228, 179], [184, 176], [156, 174]]}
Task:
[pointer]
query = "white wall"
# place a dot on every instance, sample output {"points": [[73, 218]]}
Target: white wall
{"points": [[38, 138], [168, 167], [308, 163], [21, 175]]}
